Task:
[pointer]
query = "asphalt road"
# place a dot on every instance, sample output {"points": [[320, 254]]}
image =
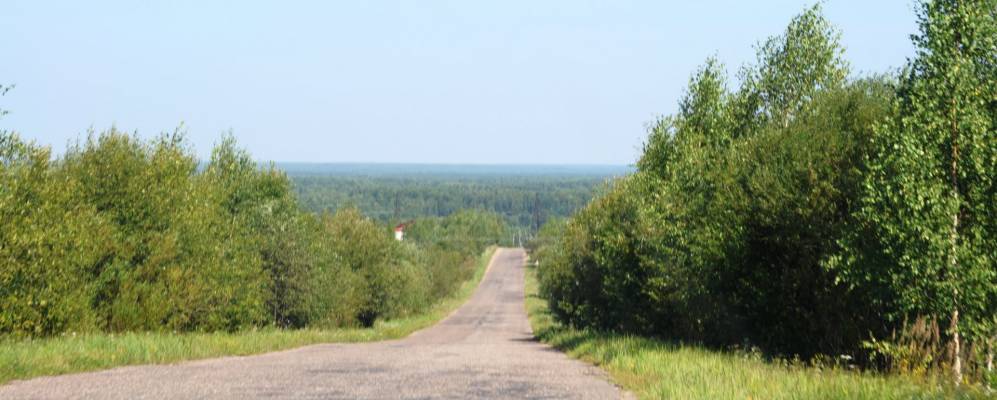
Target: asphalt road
{"points": [[485, 350]]}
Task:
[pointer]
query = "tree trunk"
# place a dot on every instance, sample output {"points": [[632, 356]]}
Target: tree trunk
{"points": [[954, 240], [957, 348], [953, 266], [990, 361], [990, 356]]}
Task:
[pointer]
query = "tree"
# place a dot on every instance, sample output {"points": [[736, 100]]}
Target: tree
{"points": [[792, 68], [703, 114], [261, 201], [929, 208], [659, 148], [176, 260], [47, 244]]}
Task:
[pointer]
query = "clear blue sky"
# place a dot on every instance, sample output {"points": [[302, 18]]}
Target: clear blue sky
{"points": [[394, 81]]}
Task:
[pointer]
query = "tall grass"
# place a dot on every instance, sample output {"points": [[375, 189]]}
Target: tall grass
{"points": [[22, 359], [655, 369]]}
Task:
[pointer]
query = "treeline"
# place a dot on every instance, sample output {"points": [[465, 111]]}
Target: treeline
{"points": [[121, 234], [526, 202], [808, 213]]}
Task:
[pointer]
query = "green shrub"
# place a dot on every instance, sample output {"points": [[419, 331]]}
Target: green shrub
{"points": [[175, 263], [369, 251], [48, 244], [804, 213], [121, 234], [262, 203]]}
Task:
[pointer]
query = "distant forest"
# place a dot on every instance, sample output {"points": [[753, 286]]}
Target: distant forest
{"points": [[526, 196]]}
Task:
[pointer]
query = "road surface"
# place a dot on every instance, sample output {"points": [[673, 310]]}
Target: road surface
{"points": [[485, 350]]}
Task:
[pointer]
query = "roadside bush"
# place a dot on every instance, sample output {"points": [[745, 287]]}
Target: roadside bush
{"points": [[805, 213], [601, 281], [121, 234], [446, 247], [796, 190], [48, 244], [370, 252], [926, 229], [174, 263], [467, 232], [262, 204], [722, 235]]}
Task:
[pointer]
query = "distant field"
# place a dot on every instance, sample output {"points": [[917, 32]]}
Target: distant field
{"points": [[526, 195]]}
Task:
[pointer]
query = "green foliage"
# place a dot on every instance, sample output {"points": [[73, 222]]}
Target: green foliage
{"points": [[367, 250], [523, 201], [121, 234], [803, 213], [49, 242], [466, 232], [928, 218], [449, 242], [173, 262], [720, 236], [67, 353], [595, 278], [932, 175], [789, 198], [795, 66], [262, 202], [659, 148], [652, 368]]}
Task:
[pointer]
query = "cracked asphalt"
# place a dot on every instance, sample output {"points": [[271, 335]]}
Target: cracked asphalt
{"points": [[484, 350]]}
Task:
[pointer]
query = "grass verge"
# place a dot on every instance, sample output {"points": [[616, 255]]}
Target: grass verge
{"points": [[654, 369], [22, 359]]}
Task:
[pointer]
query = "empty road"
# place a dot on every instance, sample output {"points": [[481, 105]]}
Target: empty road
{"points": [[485, 350]]}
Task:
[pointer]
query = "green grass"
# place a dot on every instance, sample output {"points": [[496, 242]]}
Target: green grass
{"points": [[66, 354], [654, 369]]}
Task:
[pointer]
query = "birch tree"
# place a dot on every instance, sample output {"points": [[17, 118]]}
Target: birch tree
{"points": [[930, 194]]}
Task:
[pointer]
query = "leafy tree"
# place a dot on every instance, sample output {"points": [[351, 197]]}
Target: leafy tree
{"points": [[928, 215], [261, 200], [792, 68], [704, 117], [449, 244], [125, 234], [466, 232], [47, 244], [680, 247], [659, 149], [785, 199], [176, 263], [724, 234], [595, 278], [369, 251]]}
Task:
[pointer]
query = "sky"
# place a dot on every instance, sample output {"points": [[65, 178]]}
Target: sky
{"points": [[482, 82]]}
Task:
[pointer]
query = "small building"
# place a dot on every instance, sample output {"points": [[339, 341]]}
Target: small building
{"points": [[399, 232]]}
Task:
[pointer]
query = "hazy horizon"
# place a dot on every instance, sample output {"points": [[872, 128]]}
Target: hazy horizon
{"points": [[447, 164], [450, 169]]}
